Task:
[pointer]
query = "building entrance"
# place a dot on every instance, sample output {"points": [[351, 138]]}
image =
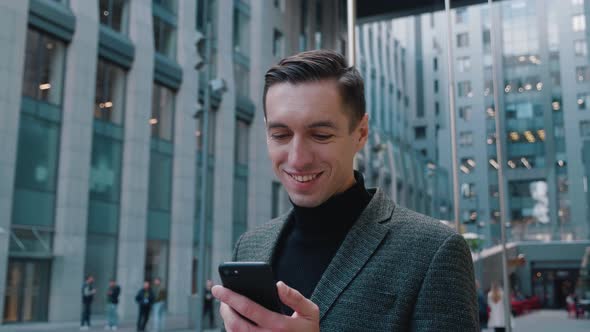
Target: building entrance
{"points": [[27, 290]]}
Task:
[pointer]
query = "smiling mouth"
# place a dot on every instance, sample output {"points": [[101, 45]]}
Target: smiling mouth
{"points": [[304, 178]]}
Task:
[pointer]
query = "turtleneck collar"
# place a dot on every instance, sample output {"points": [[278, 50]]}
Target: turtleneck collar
{"points": [[337, 214]]}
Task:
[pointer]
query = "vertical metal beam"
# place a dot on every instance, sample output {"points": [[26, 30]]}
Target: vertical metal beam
{"points": [[351, 23], [500, 159], [452, 115], [204, 168]]}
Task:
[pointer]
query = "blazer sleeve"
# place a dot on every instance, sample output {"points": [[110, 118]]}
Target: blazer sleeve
{"points": [[447, 299]]}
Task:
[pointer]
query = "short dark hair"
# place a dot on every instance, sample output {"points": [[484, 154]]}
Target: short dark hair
{"points": [[319, 65]]}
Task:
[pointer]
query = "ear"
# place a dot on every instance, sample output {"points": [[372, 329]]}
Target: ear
{"points": [[362, 132]]}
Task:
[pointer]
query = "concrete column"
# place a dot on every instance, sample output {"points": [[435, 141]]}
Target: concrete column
{"points": [[184, 167], [13, 32], [224, 143], [71, 215], [136, 156], [261, 58]]}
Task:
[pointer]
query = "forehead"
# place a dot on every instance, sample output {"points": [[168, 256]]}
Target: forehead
{"points": [[305, 101]]}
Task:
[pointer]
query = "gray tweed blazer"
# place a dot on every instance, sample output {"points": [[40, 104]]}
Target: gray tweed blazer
{"points": [[396, 270]]}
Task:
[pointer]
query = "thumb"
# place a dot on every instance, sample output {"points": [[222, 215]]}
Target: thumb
{"points": [[299, 303]]}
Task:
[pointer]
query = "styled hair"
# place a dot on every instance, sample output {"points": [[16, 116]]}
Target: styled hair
{"points": [[316, 66]]}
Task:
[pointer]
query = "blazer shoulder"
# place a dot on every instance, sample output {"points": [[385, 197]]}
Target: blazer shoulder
{"points": [[420, 223]]}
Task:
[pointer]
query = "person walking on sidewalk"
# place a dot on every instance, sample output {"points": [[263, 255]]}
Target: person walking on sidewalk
{"points": [[145, 300], [88, 292], [160, 305], [112, 302]]}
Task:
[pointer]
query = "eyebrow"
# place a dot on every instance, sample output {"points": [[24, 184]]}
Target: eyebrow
{"points": [[319, 124]]}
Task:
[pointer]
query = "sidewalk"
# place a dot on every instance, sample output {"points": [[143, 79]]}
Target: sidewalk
{"points": [[549, 321], [97, 325]]}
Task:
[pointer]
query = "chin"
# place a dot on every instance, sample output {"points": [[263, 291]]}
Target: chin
{"points": [[306, 201]]}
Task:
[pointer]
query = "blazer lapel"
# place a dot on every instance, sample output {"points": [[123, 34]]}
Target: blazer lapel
{"points": [[267, 246], [362, 240]]}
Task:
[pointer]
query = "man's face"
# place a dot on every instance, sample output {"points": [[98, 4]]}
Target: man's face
{"points": [[309, 140], [146, 285], [157, 282]]}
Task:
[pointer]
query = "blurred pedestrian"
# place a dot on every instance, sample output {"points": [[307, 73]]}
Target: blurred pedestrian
{"points": [[482, 304], [497, 315], [208, 305], [112, 302], [159, 305], [88, 292], [145, 300]]}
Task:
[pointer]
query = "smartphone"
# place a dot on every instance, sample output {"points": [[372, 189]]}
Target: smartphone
{"points": [[254, 280]]}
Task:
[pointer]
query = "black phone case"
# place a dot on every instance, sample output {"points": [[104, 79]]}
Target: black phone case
{"points": [[254, 280]]}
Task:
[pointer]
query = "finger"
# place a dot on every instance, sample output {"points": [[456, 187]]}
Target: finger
{"points": [[299, 303], [246, 307], [233, 321]]}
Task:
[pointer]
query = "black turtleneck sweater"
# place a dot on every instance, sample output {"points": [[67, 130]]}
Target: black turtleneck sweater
{"points": [[313, 236]]}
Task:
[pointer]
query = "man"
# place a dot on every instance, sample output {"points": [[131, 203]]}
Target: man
{"points": [[348, 258], [112, 302], [482, 305], [208, 304], [159, 305], [88, 292], [145, 300]]}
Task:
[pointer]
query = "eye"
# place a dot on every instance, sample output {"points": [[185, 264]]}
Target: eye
{"points": [[322, 137], [279, 137]]}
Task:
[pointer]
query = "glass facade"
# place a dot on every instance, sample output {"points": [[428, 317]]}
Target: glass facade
{"points": [[114, 14], [164, 23], [240, 191], [44, 67], [162, 119], [109, 97]]}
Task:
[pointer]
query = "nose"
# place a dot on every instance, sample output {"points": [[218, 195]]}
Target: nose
{"points": [[300, 155]]}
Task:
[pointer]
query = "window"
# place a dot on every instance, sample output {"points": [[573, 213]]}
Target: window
{"points": [[275, 194], [468, 190], [113, 13], [241, 32], [585, 128], [465, 113], [580, 47], [461, 15], [36, 171], [109, 93], [277, 44], [318, 25], [466, 138], [462, 40], [435, 86], [162, 112], [464, 64], [579, 23], [169, 5], [44, 67], [105, 169], [464, 89], [160, 181], [436, 108], [467, 165], [420, 132], [487, 40], [242, 79], [156, 260], [164, 37], [303, 26], [469, 216], [583, 101], [435, 63], [582, 74], [242, 142]]}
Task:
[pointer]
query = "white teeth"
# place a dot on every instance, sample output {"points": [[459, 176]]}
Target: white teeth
{"points": [[304, 178]]}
